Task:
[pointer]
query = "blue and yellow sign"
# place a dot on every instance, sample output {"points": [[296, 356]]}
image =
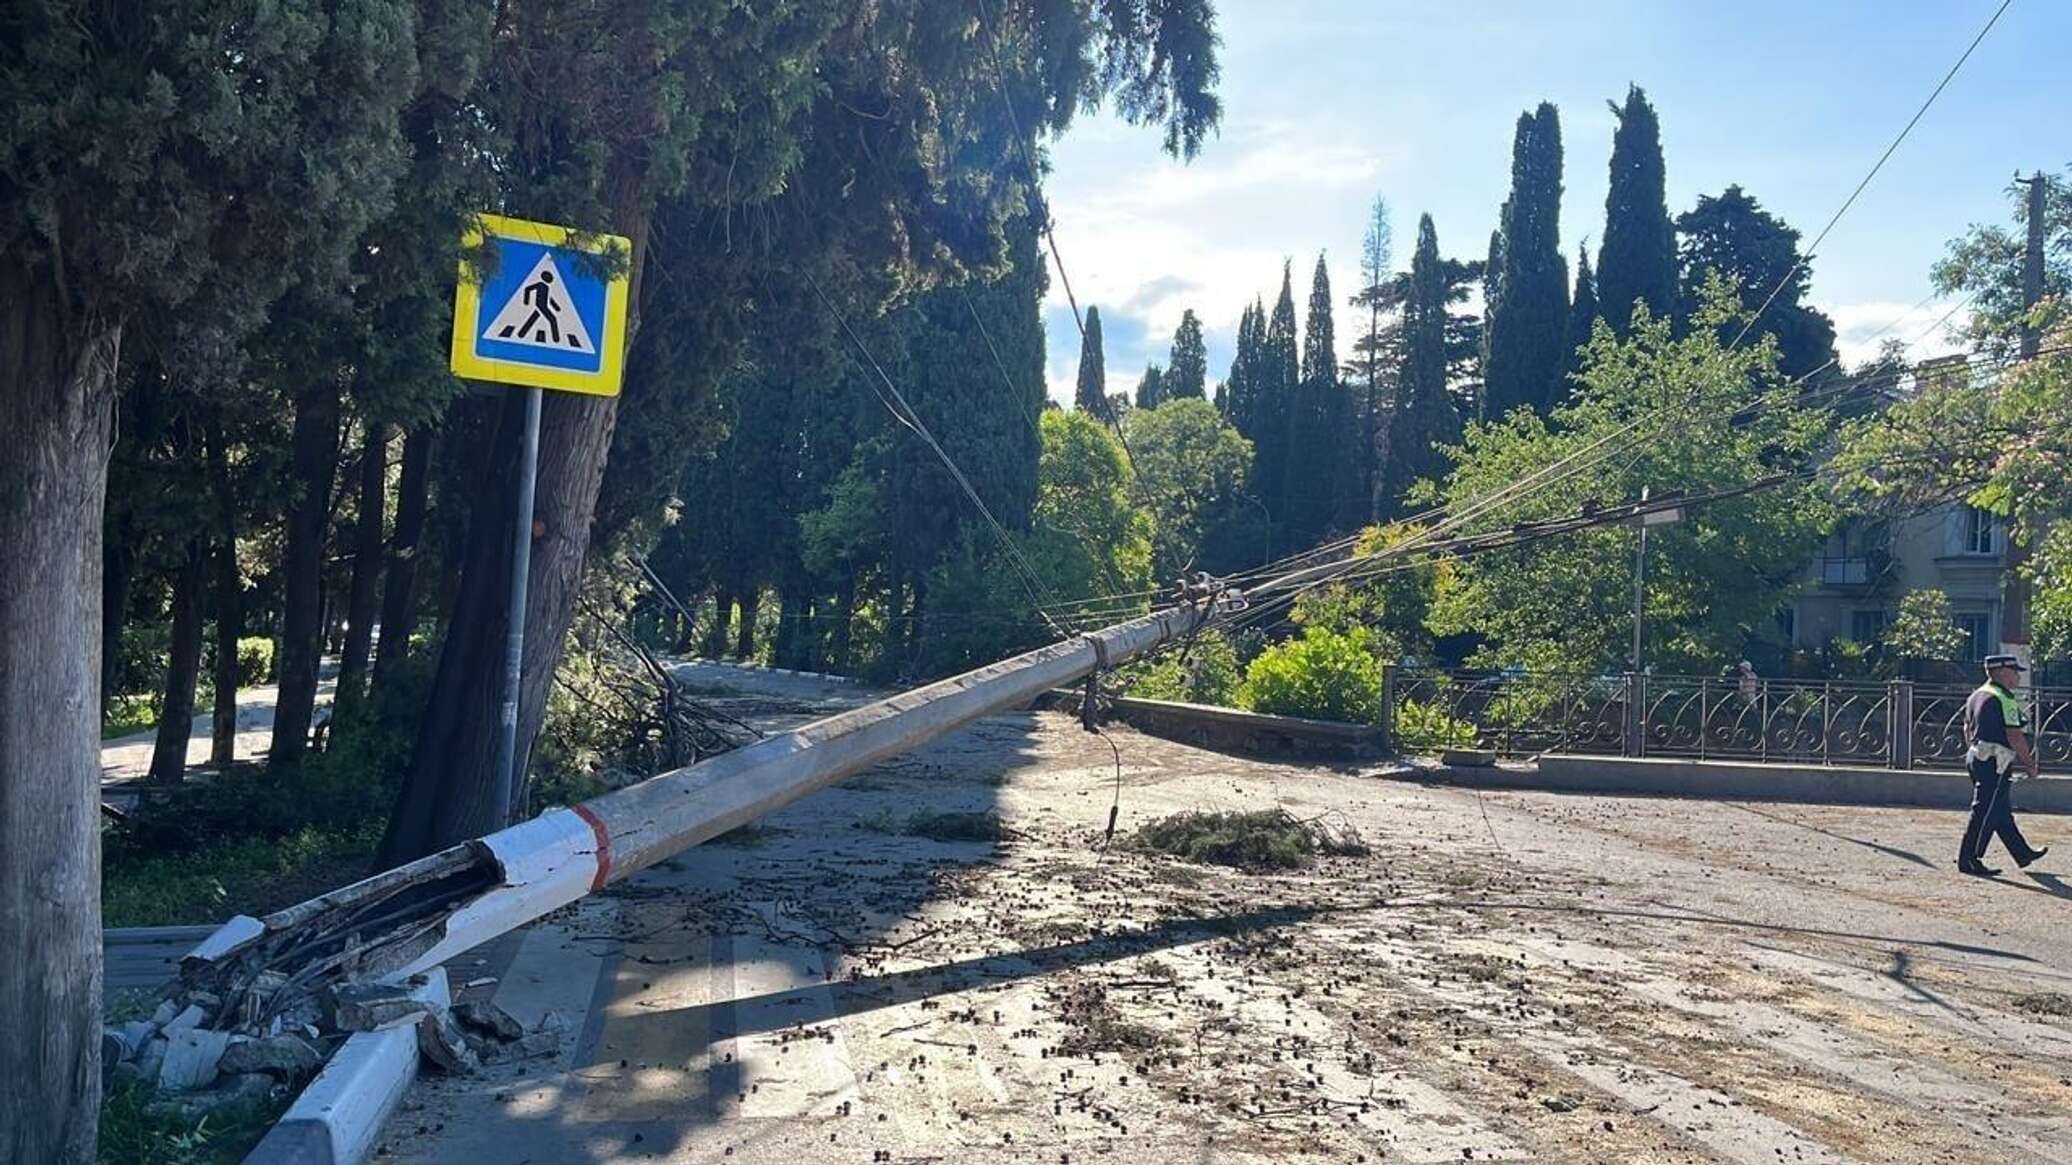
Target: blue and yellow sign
{"points": [[546, 316]]}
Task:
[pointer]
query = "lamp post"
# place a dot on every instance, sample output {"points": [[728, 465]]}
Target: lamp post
{"points": [[1641, 523]]}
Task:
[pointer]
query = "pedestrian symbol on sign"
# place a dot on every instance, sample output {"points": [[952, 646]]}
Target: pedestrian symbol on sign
{"points": [[539, 313]]}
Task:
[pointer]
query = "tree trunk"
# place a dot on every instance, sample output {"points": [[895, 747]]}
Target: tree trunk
{"points": [[744, 637], [722, 618], [793, 646], [314, 459], [116, 563], [176, 707], [56, 391], [398, 610], [229, 603], [845, 610], [363, 594]]}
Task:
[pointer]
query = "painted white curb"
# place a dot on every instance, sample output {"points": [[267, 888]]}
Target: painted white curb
{"points": [[338, 1119]]}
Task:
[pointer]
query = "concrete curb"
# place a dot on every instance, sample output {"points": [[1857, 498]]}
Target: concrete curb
{"points": [[1728, 781], [338, 1119]]}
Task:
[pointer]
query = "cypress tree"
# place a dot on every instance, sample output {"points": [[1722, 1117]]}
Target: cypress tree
{"points": [[1279, 378], [1582, 314], [1637, 261], [1757, 252], [1241, 391], [1188, 373], [1092, 391], [1425, 417], [1528, 312], [1152, 390], [1317, 445]]}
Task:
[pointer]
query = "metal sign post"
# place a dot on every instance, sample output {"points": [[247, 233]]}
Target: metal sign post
{"points": [[514, 635], [545, 316]]}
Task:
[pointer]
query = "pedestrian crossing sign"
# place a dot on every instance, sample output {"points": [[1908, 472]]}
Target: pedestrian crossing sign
{"points": [[546, 310]]}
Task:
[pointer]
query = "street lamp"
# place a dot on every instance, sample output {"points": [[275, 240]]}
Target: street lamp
{"points": [[1641, 522]]}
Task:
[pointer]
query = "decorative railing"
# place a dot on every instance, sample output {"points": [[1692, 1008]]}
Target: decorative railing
{"points": [[1896, 724]]}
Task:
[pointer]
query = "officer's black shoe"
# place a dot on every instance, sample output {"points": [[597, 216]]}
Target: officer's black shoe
{"points": [[1977, 869], [2036, 856]]}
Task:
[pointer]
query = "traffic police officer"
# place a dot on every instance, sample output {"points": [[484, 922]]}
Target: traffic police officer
{"points": [[1993, 725]]}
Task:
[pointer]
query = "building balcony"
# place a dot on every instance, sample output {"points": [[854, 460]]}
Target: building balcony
{"points": [[1846, 573]]}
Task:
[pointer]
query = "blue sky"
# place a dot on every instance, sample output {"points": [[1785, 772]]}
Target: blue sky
{"points": [[1331, 102]]}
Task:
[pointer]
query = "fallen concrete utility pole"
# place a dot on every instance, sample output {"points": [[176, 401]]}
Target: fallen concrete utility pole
{"points": [[416, 916]]}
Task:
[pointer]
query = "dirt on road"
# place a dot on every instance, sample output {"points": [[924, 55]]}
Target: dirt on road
{"points": [[1511, 977]]}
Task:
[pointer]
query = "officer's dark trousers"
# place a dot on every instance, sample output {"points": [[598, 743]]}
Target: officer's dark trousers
{"points": [[1992, 812]]}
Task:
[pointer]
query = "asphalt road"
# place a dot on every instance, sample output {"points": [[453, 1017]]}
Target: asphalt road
{"points": [[1520, 976]]}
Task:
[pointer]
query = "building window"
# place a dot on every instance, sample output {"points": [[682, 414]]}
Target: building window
{"points": [[1868, 627], [1980, 532], [1976, 627], [1788, 625]]}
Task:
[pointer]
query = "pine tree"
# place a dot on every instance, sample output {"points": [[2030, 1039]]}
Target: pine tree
{"points": [[1582, 313], [1188, 373], [1091, 394], [1637, 261], [1757, 253], [1528, 309], [1279, 378], [1425, 415], [1152, 389], [1373, 351]]}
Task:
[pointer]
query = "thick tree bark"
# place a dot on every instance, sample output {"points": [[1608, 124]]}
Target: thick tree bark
{"points": [[793, 645], [722, 618], [744, 636], [56, 388], [314, 459], [183, 667], [301, 624], [229, 603], [399, 598], [363, 595]]}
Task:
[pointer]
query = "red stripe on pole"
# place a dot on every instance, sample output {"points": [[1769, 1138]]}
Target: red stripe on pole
{"points": [[604, 846]]}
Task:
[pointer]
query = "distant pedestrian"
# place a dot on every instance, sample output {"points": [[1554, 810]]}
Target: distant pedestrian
{"points": [[1749, 684], [1993, 726]]}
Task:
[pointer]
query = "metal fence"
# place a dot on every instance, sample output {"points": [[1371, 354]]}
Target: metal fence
{"points": [[1895, 724]]}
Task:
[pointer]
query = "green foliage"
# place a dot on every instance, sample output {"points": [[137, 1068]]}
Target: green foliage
{"points": [[1188, 373], [1192, 468], [1321, 675], [1428, 727], [2050, 605], [156, 886], [1637, 261], [1425, 417], [1091, 394], [1088, 539], [1721, 572], [127, 714], [1528, 308], [1392, 608], [1582, 318], [132, 1133], [1207, 672], [1733, 237], [1924, 628], [1985, 265], [1151, 390]]}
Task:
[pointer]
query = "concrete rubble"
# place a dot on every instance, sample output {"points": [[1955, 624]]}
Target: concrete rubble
{"points": [[200, 1054]]}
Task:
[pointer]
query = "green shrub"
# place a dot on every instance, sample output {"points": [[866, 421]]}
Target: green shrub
{"points": [[1422, 727], [1268, 839], [247, 876], [1206, 673], [254, 661], [1324, 675]]}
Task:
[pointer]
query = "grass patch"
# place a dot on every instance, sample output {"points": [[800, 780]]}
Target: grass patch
{"points": [[131, 1134], [1268, 839], [249, 876]]}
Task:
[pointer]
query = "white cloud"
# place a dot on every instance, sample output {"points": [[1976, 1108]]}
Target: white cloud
{"points": [[1927, 328]]}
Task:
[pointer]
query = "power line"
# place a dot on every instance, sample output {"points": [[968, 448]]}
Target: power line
{"points": [[1800, 264], [1038, 593]]}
